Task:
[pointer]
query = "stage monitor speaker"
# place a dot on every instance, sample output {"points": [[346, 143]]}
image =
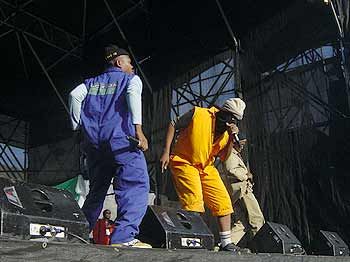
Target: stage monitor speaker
{"points": [[330, 244], [175, 229], [36, 212], [275, 238]]}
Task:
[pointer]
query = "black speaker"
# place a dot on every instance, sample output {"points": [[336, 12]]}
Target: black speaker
{"points": [[330, 244], [33, 212], [175, 229], [275, 238]]}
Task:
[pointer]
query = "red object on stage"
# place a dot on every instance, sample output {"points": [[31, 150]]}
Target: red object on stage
{"points": [[102, 231]]}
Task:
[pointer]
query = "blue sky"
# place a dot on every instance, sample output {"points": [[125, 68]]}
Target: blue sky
{"points": [[19, 152]]}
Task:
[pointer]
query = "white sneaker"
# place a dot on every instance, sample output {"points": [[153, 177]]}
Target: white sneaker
{"points": [[133, 243]]}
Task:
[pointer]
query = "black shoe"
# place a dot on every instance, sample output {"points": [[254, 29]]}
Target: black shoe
{"points": [[245, 250], [234, 249]]}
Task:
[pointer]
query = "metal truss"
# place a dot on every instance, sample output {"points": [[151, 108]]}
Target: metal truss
{"points": [[38, 28], [292, 120], [47, 161], [41, 29], [129, 46], [295, 94], [13, 133], [28, 26], [340, 25], [205, 89], [236, 45]]}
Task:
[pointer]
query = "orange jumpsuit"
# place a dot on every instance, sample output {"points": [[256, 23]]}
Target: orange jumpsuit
{"points": [[196, 179]]}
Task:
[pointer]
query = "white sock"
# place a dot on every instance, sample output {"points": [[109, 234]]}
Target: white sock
{"points": [[225, 238]]}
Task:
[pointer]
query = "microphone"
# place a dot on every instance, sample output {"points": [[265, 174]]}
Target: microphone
{"points": [[236, 138], [144, 60], [133, 140]]}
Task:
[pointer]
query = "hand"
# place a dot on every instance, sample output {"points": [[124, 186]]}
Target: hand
{"points": [[77, 136], [143, 144], [249, 187], [164, 161], [232, 128], [250, 176]]}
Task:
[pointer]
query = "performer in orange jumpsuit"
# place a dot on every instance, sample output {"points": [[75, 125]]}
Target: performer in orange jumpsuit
{"points": [[204, 133]]}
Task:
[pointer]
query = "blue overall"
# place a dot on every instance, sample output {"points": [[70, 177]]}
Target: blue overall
{"points": [[106, 123]]}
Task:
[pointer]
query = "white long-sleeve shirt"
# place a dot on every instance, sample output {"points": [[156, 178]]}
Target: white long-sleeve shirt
{"points": [[133, 97]]}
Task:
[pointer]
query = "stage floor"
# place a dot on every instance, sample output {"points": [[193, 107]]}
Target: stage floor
{"points": [[11, 250]]}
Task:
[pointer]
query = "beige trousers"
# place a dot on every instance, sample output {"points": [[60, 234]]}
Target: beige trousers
{"points": [[247, 218]]}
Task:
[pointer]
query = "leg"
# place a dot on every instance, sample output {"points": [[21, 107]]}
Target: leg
{"points": [[239, 222], [101, 169], [255, 218], [218, 200], [224, 223], [131, 187], [188, 186], [215, 195]]}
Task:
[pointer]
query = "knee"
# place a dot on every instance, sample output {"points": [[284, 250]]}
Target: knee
{"points": [[256, 222]]}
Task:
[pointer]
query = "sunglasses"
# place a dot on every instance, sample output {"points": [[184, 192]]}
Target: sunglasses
{"points": [[228, 118]]}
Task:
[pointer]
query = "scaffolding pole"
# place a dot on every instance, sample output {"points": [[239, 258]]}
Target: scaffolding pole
{"points": [[46, 73], [341, 47], [237, 73], [129, 46]]}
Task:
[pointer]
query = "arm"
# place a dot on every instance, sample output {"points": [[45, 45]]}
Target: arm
{"points": [[75, 100], [164, 160], [234, 167], [179, 123], [134, 100]]}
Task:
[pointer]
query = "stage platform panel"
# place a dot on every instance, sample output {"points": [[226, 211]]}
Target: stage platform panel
{"points": [[28, 251]]}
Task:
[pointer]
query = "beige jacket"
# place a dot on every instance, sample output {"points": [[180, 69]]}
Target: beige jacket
{"points": [[237, 175], [235, 168]]}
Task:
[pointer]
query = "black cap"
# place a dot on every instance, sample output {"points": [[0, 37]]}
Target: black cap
{"points": [[112, 51]]}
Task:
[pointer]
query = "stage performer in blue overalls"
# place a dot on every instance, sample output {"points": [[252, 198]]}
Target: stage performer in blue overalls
{"points": [[108, 109]]}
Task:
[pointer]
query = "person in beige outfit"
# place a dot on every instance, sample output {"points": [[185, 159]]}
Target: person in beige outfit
{"points": [[247, 218]]}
